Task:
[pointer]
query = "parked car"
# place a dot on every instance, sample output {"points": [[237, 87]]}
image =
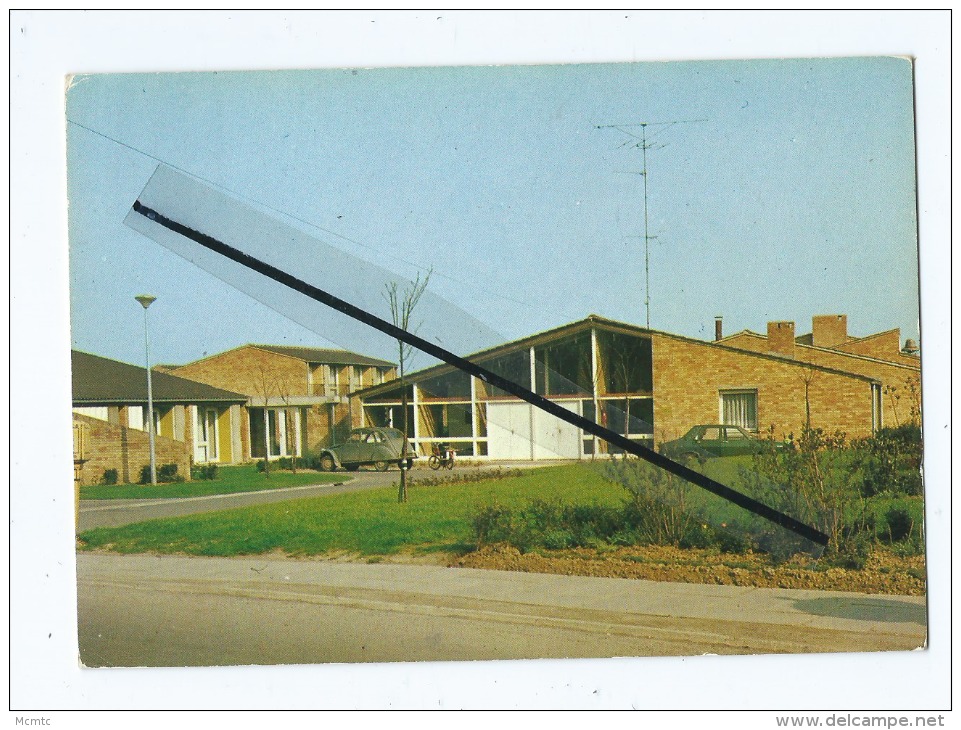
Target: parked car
{"points": [[377, 447], [710, 440]]}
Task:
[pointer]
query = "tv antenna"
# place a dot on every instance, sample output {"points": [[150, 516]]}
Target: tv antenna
{"points": [[644, 143]]}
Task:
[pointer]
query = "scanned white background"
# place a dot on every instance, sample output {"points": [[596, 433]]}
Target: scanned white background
{"points": [[45, 46]]}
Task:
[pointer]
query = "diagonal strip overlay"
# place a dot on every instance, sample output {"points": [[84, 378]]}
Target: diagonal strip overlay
{"points": [[282, 277]]}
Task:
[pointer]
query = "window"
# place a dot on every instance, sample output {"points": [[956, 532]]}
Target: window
{"points": [[739, 408], [711, 433], [205, 434], [876, 422], [275, 432], [733, 434], [330, 380]]}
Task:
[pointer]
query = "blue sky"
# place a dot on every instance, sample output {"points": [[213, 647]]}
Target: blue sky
{"points": [[794, 196]]}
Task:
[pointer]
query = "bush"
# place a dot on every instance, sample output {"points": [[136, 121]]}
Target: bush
{"points": [[810, 481], [110, 476], [204, 472], [166, 473], [659, 510], [851, 552], [659, 506], [492, 523], [900, 525], [889, 462], [286, 463]]}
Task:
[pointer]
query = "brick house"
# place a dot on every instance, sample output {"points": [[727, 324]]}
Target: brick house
{"points": [[193, 422], [880, 356], [650, 386], [296, 397]]}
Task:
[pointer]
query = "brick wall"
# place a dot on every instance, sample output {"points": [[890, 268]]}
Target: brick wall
{"points": [[246, 369], [689, 375], [884, 346], [829, 330], [780, 338], [900, 377], [112, 446], [318, 427]]}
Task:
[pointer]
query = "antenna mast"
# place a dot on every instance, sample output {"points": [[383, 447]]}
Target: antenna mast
{"points": [[640, 142]]}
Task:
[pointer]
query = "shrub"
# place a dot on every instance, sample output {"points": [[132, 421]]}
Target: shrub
{"points": [[204, 472], [168, 473], [492, 523], [811, 482], [900, 525], [286, 463], [659, 506], [110, 476], [557, 539], [165, 473], [889, 462], [851, 552]]}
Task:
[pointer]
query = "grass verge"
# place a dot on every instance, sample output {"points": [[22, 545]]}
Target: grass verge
{"points": [[369, 522], [230, 480]]}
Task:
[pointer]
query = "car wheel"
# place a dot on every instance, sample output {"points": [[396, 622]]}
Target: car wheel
{"points": [[327, 463], [381, 465]]}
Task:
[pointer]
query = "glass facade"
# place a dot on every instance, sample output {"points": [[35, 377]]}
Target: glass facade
{"points": [[603, 375]]}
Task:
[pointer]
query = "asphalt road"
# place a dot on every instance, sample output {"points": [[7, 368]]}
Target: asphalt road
{"points": [[179, 611]]}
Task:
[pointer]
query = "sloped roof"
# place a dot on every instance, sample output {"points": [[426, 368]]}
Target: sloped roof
{"points": [[832, 350], [101, 380], [611, 324], [324, 355]]}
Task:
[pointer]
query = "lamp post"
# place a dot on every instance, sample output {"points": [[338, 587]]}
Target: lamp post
{"points": [[145, 301]]}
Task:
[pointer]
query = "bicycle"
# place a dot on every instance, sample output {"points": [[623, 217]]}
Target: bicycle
{"points": [[442, 456]]}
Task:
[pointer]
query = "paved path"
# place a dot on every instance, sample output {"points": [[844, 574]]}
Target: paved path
{"points": [[179, 611], [118, 512]]}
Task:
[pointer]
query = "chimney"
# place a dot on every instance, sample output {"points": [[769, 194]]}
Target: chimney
{"points": [[780, 338], [718, 329], [911, 347], [829, 330]]}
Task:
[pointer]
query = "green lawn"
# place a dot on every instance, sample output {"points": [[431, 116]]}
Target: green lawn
{"points": [[230, 479], [437, 518], [369, 522]]}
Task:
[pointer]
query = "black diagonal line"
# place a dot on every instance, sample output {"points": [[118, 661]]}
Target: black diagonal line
{"points": [[319, 295]]}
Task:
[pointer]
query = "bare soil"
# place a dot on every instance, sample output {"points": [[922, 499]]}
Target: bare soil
{"points": [[884, 572]]}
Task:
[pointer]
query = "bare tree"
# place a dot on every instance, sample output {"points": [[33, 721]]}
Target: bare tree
{"points": [[807, 377], [402, 304], [283, 390], [264, 386]]}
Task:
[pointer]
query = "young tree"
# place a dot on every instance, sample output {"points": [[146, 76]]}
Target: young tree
{"points": [[402, 304], [290, 424], [264, 387]]}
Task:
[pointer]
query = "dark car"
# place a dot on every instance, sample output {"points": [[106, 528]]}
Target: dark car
{"points": [[710, 440], [377, 447]]}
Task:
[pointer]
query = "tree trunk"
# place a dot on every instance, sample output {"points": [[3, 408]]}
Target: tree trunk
{"points": [[402, 494], [291, 439]]}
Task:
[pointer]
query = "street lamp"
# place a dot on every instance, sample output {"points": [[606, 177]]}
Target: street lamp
{"points": [[145, 301]]}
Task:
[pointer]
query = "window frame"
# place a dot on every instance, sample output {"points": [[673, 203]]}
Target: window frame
{"points": [[725, 392]]}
